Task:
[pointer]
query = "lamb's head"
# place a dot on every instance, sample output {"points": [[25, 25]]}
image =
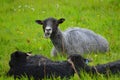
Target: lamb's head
{"points": [[18, 58], [50, 25], [78, 60]]}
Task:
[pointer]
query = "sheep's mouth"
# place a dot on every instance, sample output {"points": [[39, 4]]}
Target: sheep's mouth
{"points": [[47, 35]]}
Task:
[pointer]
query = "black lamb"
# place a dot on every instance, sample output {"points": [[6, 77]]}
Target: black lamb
{"points": [[21, 64], [39, 67]]}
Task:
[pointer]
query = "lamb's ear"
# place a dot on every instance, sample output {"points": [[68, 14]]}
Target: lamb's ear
{"points": [[17, 54], [61, 20], [39, 21], [87, 60], [29, 53]]}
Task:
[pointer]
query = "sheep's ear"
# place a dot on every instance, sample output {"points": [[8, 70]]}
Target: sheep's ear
{"points": [[61, 20], [39, 21]]}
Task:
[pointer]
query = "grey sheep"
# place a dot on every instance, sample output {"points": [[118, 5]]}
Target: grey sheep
{"points": [[73, 40]]}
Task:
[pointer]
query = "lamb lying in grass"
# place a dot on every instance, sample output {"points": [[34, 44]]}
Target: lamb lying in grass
{"points": [[73, 40], [108, 68], [21, 64]]}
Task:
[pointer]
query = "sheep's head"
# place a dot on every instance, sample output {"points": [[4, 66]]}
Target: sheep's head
{"points": [[50, 25]]}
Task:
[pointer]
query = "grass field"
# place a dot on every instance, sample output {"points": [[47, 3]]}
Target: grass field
{"points": [[18, 30]]}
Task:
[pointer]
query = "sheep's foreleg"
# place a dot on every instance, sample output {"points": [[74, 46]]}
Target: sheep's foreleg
{"points": [[54, 52]]}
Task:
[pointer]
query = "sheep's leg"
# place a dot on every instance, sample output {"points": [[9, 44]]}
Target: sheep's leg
{"points": [[53, 52]]}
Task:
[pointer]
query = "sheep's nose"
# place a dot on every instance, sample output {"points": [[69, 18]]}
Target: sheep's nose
{"points": [[48, 30]]}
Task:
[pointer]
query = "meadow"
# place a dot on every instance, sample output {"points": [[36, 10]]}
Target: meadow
{"points": [[18, 30]]}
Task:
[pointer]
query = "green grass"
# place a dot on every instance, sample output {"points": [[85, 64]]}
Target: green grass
{"points": [[18, 29]]}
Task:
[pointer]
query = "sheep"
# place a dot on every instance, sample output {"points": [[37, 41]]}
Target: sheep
{"points": [[21, 64], [108, 68], [73, 40], [44, 67], [39, 67]]}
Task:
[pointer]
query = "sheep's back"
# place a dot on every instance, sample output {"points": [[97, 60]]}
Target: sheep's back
{"points": [[80, 40]]}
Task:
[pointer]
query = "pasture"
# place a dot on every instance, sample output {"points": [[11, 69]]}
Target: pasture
{"points": [[18, 30]]}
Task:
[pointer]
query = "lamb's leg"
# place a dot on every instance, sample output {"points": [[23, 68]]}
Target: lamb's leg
{"points": [[53, 52]]}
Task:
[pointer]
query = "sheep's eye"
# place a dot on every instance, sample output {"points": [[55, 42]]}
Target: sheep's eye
{"points": [[54, 21]]}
